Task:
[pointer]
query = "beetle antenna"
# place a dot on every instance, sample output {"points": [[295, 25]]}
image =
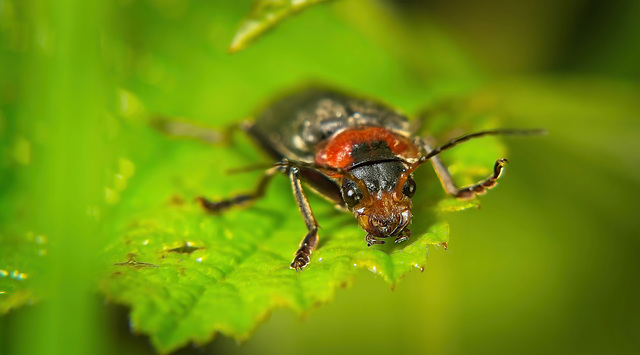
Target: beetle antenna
{"points": [[502, 132]]}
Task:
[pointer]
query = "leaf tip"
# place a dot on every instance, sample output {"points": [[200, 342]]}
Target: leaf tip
{"points": [[247, 32]]}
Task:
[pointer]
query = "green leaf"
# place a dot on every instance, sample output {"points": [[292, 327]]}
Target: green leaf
{"points": [[187, 274], [185, 71], [21, 260], [265, 15]]}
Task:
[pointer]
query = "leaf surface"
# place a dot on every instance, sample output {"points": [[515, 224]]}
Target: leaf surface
{"points": [[21, 259], [188, 274]]}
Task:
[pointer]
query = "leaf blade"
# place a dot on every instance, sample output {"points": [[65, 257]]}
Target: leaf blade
{"points": [[226, 273]]}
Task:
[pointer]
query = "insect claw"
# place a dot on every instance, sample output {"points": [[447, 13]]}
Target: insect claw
{"points": [[481, 187], [401, 239], [404, 236], [371, 240], [300, 261]]}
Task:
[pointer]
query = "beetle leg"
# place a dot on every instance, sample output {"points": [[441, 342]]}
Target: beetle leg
{"points": [[404, 236], [310, 241], [371, 240], [481, 187], [468, 192], [216, 207], [441, 170], [183, 129]]}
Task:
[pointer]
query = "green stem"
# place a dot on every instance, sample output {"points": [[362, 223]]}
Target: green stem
{"points": [[63, 103]]}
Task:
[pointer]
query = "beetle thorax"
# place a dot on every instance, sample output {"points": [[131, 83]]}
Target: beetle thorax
{"points": [[363, 145]]}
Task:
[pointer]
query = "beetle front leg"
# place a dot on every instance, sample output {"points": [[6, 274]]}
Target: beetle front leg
{"points": [[310, 241], [468, 192], [241, 199], [481, 187], [372, 240], [404, 236]]}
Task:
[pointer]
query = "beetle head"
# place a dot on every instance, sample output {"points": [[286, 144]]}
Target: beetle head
{"points": [[379, 195]]}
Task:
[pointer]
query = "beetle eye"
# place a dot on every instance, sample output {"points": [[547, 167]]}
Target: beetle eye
{"points": [[352, 195], [409, 188]]}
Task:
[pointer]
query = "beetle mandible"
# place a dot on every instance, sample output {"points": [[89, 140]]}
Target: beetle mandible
{"points": [[357, 153]]}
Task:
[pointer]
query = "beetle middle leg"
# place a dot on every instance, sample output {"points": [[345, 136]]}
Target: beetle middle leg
{"points": [[310, 241], [468, 192], [241, 199]]}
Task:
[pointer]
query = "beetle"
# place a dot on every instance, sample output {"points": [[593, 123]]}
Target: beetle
{"points": [[358, 153]]}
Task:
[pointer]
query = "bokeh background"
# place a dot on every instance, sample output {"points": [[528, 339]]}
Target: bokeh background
{"points": [[548, 265]]}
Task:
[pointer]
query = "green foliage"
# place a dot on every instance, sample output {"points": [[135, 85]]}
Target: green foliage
{"points": [[23, 256], [265, 15], [187, 275]]}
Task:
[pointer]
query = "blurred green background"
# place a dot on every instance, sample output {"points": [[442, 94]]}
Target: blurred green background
{"points": [[548, 265]]}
